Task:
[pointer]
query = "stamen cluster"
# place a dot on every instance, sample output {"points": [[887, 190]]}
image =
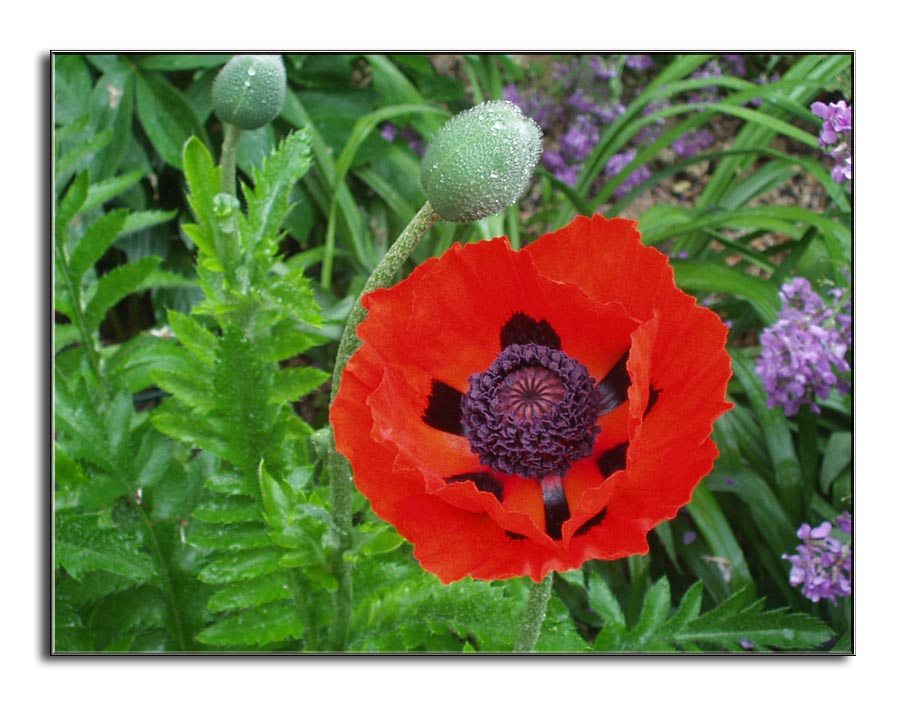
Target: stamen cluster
{"points": [[532, 412]]}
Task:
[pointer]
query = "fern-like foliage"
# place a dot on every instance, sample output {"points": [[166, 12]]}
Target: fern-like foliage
{"points": [[260, 527], [735, 625], [119, 564]]}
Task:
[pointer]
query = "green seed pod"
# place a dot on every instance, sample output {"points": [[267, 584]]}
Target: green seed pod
{"points": [[249, 91], [480, 162]]}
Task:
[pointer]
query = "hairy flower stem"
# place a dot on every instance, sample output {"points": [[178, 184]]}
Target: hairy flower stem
{"points": [[231, 135], [535, 610], [339, 473]]}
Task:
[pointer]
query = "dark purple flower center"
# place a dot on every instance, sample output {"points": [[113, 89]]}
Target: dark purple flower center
{"points": [[532, 412]]}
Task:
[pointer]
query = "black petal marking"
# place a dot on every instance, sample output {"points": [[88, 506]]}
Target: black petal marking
{"points": [[483, 481], [613, 460], [614, 388], [592, 523], [652, 399], [556, 509], [522, 328], [444, 411], [514, 535]]}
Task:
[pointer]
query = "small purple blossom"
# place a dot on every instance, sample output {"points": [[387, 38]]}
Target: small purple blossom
{"points": [[691, 143], [689, 536], [617, 163], [602, 68], [803, 354], [822, 564], [835, 138], [639, 62], [580, 139], [746, 644]]}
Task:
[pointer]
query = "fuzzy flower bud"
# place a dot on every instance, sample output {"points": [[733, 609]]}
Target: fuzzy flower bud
{"points": [[249, 90], [480, 162]]}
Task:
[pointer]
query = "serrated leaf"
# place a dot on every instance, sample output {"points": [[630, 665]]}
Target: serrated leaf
{"points": [[203, 178], [115, 285], [231, 538], [101, 192], [97, 239], [257, 591], [728, 624], [268, 201], [78, 156], [228, 509], [82, 545], [240, 566], [200, 342], [291, 384], [194, 430], [140, 220], [261, 625], [71, 203], [655, 607], [188, 387]]}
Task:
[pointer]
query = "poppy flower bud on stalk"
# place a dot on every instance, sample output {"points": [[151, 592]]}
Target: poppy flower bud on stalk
{"points": [[480, 162], [249, 90]]}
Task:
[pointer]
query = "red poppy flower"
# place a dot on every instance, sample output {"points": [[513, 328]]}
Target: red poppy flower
{"points": [[513, 413]]}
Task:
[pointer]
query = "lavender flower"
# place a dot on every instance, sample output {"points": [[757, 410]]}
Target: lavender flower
{"points": [[580, 139], [691, 143], [617, 163], [803, 354], [823, 563], [639, 62], [835, 137]]}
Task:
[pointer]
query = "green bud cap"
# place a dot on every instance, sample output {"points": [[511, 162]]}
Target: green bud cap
{"points": [[249, 91], [480, 162]]}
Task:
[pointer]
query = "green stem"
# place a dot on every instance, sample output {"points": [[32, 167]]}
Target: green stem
{"points": [[381, 277], [231, 137], [339, 472], [535, 610], [75, 297]]}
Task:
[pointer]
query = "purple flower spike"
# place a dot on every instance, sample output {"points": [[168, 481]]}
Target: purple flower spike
{"points": [[822, 564], [835, 137], [803, 354]]}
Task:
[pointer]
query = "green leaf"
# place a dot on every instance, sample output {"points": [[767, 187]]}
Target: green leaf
{"points": [[261, 625], [731, 622], [167, 118], [228, 510], [71, 204], [291, 384], [268, 200], [140, 220], [708, 277], [103, 191], [257, 591], [241, 565], [231, 538], [180, 62], [655, 607], [203, 178], [115, 285], [716, 530], [78, 157], [838, 455], [97, 239], [777, 436], [199, 341], [83, 545]]}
